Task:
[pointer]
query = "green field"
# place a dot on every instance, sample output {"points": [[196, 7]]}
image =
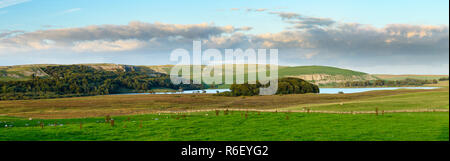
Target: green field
{"points": [[260, 126], [235, 127], [408, 101], [143, 110]]}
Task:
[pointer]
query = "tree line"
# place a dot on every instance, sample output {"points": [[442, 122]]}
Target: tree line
{"points": [[81, 80], [285, 86]]}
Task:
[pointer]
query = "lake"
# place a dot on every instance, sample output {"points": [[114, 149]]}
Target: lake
{"points": [[322, 90]]}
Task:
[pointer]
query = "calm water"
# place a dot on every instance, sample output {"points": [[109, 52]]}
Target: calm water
{"points": [[209, 91], [322, 90]]}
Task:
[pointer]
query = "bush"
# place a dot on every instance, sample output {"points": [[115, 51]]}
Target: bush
{"points": [[285, 86]]}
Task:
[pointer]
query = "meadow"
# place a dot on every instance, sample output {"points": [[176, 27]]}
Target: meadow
{"points": [[238, 126], [169, 117], [408, 101], [97, 106]]}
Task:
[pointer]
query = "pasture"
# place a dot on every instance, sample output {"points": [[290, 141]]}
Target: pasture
{"points": [[172, 117], [98, 106], [238, 126]]}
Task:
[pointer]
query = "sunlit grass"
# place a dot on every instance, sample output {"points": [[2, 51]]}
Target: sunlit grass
{"points": [[234, 126]]}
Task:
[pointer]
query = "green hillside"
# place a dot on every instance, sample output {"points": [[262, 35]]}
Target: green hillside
{"points": [[305, 70], [20, 72], [319, 75]]}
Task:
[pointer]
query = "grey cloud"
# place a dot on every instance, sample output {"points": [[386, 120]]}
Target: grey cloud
{"points": [[340, 38], [365, 39], [304, 22], [8, 33], [311, 22], [114, 37], [286, 15]]}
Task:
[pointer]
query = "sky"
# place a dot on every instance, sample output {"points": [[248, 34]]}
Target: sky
{"points": [[378, 37]]}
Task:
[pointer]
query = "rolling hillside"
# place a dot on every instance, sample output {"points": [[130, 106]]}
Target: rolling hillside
{"points": [[21, 72], [25, 72], [403, 77], [324, 74], [314, 74]]}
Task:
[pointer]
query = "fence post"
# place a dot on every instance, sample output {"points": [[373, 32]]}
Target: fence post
{"points": [[376, 111], [107, 118]]}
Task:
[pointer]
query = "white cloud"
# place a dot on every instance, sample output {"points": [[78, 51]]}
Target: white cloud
{"points": [[257, 10], [7, 3], [107, 46], [71, 10]]}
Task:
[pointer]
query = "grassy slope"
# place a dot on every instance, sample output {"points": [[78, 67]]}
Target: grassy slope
{"points": [[266, 126], [306, 70], [403, 77], [409, 101], [283, 70], [437, 99], [17, 71], [23, 72]]}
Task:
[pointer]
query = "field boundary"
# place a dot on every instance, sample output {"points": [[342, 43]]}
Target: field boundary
{"points": [[309, 111]]}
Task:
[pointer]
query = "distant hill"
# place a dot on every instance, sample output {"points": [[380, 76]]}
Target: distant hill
{"points": [[24, 72], [324, 74], [20, 72], [314, 74], [403, 77]]}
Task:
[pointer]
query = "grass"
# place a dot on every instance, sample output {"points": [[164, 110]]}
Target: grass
{"points": [[306, 70], [17, 73], [408, 101], [440, 84], [283, 70], [68, 113], [263, 127], [403, 77], [95, 106]]}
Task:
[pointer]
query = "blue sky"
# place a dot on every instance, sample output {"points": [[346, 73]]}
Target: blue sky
{"points": [[321, 22], [35, 14]]}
